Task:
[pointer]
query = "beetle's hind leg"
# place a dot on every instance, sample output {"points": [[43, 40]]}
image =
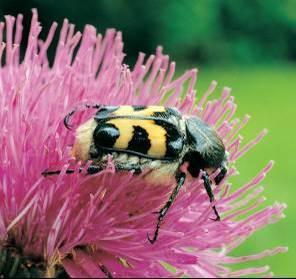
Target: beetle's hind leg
{"points": [[180, 177], [56, 172], [207, 185], [92, 169], [67, 118]]}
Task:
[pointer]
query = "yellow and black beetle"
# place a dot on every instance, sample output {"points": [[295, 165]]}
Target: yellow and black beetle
{"points": [[154, 138]]}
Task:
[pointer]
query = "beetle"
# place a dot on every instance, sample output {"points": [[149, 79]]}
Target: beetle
{"points": [[154, 138]]}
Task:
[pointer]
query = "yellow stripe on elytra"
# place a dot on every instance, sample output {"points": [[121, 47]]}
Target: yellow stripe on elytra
{"points": [[125, 132], [129, 110], [156, 135]]}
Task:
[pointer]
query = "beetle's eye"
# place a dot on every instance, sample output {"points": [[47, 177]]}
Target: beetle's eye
{"points": [[220, 175]]}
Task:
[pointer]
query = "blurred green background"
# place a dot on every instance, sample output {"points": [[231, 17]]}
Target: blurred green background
{"points": [[249, 45]]}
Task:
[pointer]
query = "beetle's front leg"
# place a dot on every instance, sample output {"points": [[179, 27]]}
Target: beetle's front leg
{"points": [[207, 185], [180, 177]]}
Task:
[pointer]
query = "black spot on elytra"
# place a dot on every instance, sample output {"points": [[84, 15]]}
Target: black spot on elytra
{"points": [[105, 135], [174, 139], [140, 141]]}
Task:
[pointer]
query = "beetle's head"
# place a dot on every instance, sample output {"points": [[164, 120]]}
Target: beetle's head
{"points": [[206, 150]]}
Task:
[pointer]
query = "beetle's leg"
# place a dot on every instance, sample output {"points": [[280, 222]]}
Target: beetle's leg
{"points": [[180, 177], [135, 168], [210, 193], [47, 173], [70, 114], [105, 270], [92, 169]]}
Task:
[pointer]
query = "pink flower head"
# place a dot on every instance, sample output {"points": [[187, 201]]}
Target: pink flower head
{"points": [[97, 225]]}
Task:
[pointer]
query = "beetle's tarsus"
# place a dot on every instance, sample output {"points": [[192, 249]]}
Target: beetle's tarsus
{"points": [[218, 218], [151, 240]]}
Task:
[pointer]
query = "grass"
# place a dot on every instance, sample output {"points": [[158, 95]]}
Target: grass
{"points": [[268, 94]]}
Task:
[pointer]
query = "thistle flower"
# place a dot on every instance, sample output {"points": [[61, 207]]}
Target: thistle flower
{"points": [[96, 226]]}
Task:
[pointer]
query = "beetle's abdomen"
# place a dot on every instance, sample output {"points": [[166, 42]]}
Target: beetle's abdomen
{"points": [[139, 136]]}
